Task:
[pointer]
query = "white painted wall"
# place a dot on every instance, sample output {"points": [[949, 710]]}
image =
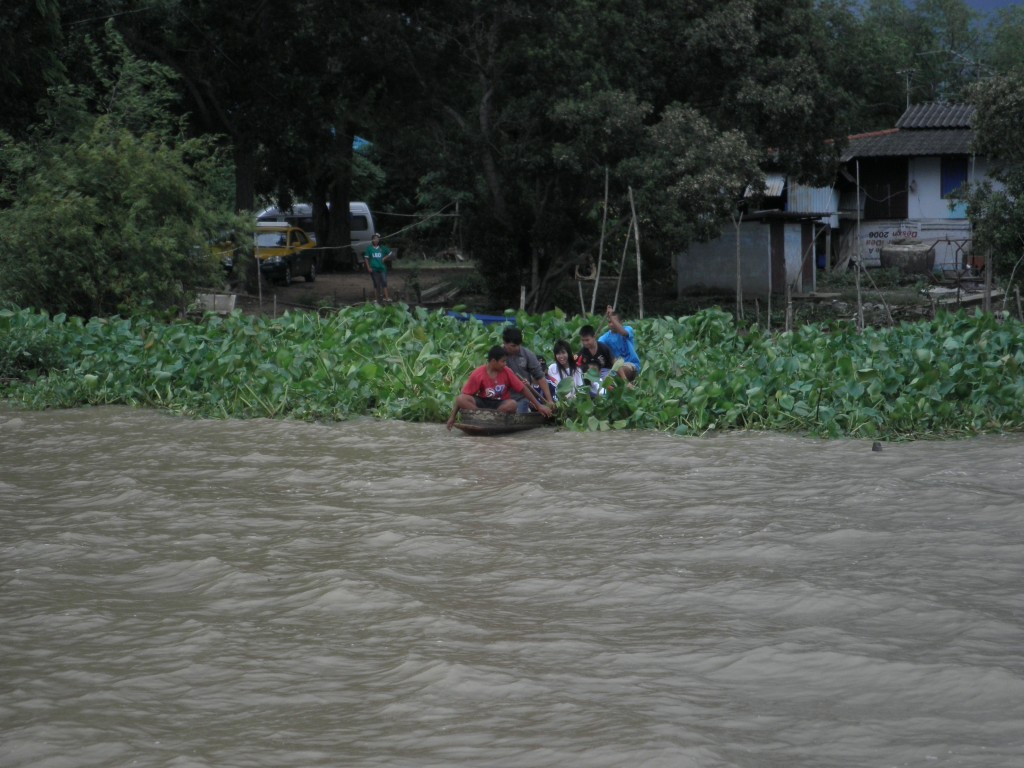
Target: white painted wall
{"points": [[925, 200], [930, 219]]}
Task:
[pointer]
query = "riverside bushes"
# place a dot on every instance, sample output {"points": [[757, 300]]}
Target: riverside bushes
{"points": [[956, 375]]}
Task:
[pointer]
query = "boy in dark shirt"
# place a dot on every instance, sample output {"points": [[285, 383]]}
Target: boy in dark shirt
{"points": [[594, 354]]}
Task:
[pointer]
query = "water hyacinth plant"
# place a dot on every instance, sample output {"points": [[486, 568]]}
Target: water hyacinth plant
{"points": [[955, 375]]}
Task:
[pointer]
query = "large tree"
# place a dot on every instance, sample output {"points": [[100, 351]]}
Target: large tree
{"points": [[289, 84], [538, 101], [30, 37], [105, 206], [995, 209], [1005, 40], [517, 108]]}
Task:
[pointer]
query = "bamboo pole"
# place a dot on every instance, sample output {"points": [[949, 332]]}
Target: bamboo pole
{"points": [[600, 246], [860, 257], [789, 308], [860, 301], [622, 265], [636, 233]]}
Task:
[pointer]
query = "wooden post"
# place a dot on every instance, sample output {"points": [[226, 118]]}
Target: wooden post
{"points": [[534, 276], [987, 306], [259, 283], [860, 256], [814, 256], [737, 221], [828, 248], [636, 233], [600, 246], [789, 308]]}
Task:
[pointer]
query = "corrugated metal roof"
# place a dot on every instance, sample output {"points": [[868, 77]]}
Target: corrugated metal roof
{"points": [[909, 143], [820, 201], [806, 199], [774, 183], [937, 116]]}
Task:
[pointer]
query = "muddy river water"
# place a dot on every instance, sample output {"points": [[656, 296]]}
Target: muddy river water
{"points": [[184, 593]]}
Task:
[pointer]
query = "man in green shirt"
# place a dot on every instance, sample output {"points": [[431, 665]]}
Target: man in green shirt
{"points": [[376, 257]]}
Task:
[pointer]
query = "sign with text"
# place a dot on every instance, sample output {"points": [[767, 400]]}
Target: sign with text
{"points": [[879, 234]]}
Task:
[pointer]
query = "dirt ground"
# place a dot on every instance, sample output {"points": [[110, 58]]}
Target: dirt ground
{"points": [[432, 286], [422, 283]]}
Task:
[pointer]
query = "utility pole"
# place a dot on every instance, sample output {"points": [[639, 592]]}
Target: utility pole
{"points": [[907, 74]]}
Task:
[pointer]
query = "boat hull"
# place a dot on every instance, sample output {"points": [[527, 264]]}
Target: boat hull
{"points": [[487, 422]]}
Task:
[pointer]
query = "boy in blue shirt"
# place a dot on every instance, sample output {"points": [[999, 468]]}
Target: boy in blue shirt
{"points": [[622, 341]]}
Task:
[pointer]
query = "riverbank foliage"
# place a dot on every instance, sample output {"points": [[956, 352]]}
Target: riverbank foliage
{"points": [[956, 375]]}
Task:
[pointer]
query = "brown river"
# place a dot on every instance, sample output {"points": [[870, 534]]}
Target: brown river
{"points": [[193, 594]]}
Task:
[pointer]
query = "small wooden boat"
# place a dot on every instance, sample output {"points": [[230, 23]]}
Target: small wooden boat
{"points": [[488, 422]]}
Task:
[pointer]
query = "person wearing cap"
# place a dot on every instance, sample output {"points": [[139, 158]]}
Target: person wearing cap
{"points": [[375, 258], [622, 341]]}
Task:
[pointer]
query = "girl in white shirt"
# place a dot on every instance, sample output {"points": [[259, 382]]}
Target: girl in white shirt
{"points": [[565, 367]]}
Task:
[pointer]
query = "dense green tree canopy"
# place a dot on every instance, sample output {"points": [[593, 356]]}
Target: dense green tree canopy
{"points": [[30, 38], [517, 109], [995, 210], [105, 207]]}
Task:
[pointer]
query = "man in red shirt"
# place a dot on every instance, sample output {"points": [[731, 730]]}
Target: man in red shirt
{"points": [[491, 386]]}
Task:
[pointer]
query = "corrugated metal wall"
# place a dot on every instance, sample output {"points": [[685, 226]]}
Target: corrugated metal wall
{"points": [[804, 199]]}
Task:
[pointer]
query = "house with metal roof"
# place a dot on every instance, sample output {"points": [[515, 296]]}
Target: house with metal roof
{"points": [[895, 187], [898, 186], [783, 234]]}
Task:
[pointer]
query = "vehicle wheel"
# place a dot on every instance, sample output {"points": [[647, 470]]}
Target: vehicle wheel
{"points": [[311, 275], [287, 279]]}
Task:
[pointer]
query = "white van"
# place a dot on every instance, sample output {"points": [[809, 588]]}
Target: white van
{"points": [[360, 222]]}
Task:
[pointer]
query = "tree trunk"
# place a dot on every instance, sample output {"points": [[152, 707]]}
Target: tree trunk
{"points": [[245, 177], [330, 205]]}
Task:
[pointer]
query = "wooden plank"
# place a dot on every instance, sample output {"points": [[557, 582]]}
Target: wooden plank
{"points": [[967, 298], [815, 296], [436, 290]]}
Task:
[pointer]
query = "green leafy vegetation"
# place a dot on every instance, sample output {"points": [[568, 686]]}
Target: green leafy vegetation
{"points": [[106, 207], [956, 375], [524, 131], [995, 209]]}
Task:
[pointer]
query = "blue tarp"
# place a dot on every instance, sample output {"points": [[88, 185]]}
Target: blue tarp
{"points": [[485, 319]]}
